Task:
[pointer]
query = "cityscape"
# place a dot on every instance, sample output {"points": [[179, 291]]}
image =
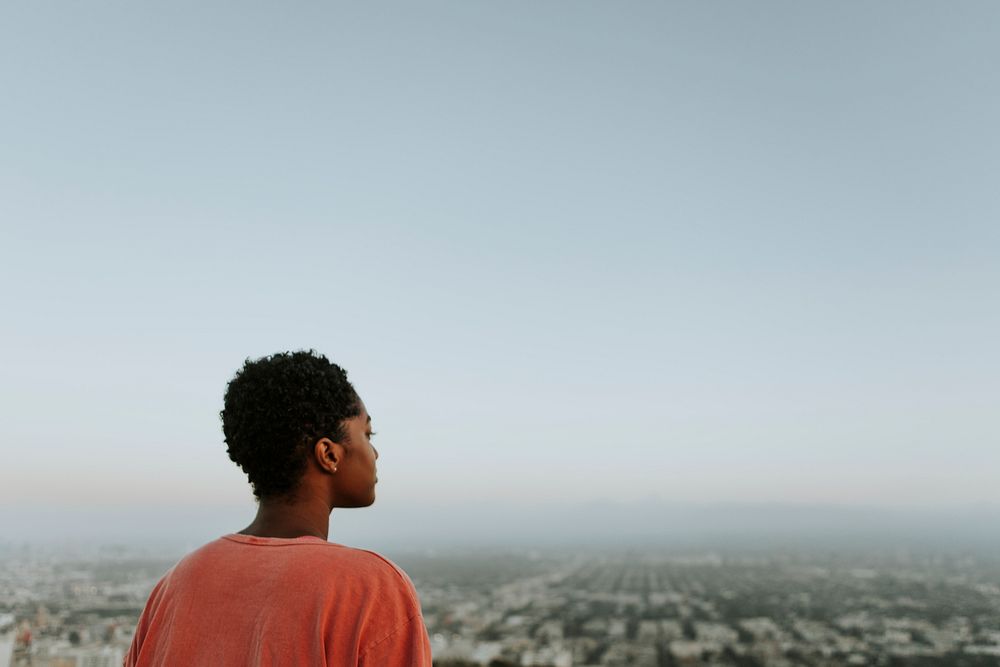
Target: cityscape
{"points": [[563, 608]]}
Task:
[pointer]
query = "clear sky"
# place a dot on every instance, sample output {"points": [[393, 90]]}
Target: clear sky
{"points": [[568, 251]]}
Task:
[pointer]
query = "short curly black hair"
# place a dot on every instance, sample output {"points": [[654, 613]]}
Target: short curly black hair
{"points": [[276, 408]]}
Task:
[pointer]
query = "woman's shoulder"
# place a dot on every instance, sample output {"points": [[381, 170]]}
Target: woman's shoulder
{"points": [[311, 554], [386, 566]]}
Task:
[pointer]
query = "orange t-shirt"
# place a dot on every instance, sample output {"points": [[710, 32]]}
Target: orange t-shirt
{"points": [[254, 601]]}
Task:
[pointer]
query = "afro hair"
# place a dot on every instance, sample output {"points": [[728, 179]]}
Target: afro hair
{"points": [[276, 408]]}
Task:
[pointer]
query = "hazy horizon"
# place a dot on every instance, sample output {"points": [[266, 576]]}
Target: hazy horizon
{"points": [[688, 253], [770, 528]]}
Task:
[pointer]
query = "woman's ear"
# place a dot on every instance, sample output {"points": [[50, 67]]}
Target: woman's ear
{"points": [[328, 454]]}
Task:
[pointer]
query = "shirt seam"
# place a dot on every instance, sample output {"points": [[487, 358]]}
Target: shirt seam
{"points": [[395, 630], [286, 544]]}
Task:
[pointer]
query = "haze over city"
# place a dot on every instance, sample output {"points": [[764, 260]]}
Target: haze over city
{"points": [[574, 259]]}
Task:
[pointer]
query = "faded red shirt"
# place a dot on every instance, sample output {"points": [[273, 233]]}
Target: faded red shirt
{"points": [[254, 601]]}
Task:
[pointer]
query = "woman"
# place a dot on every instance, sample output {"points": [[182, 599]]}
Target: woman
{"points": [[277, 592]]}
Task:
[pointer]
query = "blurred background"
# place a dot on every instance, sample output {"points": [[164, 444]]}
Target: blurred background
{"points": [[689, 280]]}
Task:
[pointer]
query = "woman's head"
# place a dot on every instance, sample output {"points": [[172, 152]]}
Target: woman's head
{"points": [[277, 408]]}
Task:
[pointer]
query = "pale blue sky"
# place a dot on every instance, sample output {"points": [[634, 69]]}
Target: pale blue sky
{"points": [[700, 252]]}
